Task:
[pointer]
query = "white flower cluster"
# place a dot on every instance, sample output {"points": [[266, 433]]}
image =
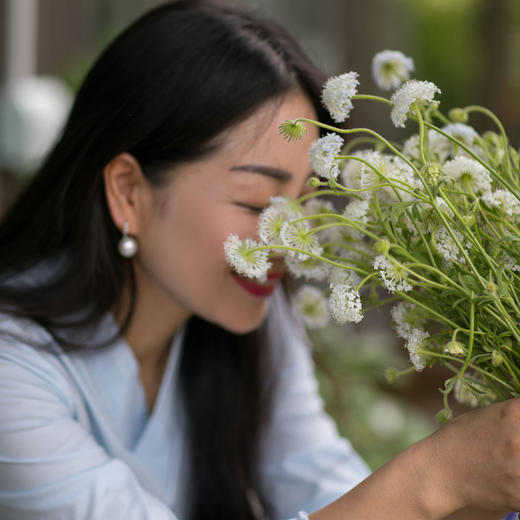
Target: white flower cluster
{"points": [[412, 91], [394, 278], [322, 154], [447, 246], [504, 200], [274, 216], [337, 95], [298, 235], [510, 262], [345, 303], [469, 174], [441, 147], [405, 318], [414, 217], [357, 210], [246, 261], [391, 68], [342, 276], [395, 171], [310, 303], [414, 342]]}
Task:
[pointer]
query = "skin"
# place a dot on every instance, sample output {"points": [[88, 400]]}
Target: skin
{"points": [[469, 469], [180, 228]]}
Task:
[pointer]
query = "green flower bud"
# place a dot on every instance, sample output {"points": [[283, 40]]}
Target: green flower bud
{"points": [[468, 220], [458, 115], [497, 358], [491, 287], [455, 348], [391, 375], [292, 130], [431, 172], [444, 416], [492, 138], [382, 246], [314, 182]]}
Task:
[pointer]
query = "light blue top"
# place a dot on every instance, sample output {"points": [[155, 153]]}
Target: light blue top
{"points": [[76, 440]]}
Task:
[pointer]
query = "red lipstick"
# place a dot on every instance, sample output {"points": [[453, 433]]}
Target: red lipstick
{"points": [[260, 290]]}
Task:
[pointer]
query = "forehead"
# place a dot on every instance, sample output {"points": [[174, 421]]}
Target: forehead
{"points": [[257, 140]]}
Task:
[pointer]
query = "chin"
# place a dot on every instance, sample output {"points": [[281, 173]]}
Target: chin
{"points": [[244, 324]]}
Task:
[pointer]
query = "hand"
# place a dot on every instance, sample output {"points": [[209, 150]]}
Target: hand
{"points": [[474, 461]]}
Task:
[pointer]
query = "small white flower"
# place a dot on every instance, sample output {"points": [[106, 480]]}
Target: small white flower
{"points": [[310, 268], [405, 318], [240, 254], [414, 342], [438, 145], [503, 199], [298, 235], [447, 247], [287, 205], [337, 95], [345, 304], [351, 172], [322, 155], [464, 394], [394, 278], [411, 147], [441, 147], [310, 303], [402, 176], [509, 262], [269, 225], [411, 92], [463, 133], [468, 172], [397, 172], [357, 210], [443, 206], [391, 68], [369, 177], [317, 205], [339, 275]]}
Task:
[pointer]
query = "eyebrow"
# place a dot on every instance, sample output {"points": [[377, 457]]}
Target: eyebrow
{"points": [[268, 171]]}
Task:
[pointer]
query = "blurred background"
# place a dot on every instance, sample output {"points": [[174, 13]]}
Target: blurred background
{"points": [[469, 48]]}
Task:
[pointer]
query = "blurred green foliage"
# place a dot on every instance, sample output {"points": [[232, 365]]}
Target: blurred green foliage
{"points": [[350, 369], [447, 46]]}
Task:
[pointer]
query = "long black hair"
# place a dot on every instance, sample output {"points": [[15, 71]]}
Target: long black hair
{"points": [[161, 91]]}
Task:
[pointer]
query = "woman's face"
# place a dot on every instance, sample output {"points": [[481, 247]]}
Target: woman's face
{"points": [[181, 239]]}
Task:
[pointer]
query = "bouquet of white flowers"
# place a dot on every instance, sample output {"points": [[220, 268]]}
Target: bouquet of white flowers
{"points": [[435, 221]]}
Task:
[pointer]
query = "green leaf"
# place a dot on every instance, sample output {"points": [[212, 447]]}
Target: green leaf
{"points": [[470, 283]]}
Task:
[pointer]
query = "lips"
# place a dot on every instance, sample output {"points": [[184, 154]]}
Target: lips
{"points": [[260, 290]]}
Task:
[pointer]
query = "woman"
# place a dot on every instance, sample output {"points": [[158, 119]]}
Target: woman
{"points": [[140, 377]]}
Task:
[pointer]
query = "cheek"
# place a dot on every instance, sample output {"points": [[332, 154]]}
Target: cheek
{"points": [[185, 248]]}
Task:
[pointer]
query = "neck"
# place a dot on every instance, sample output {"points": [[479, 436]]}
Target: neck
{"points": [[155, 319]]}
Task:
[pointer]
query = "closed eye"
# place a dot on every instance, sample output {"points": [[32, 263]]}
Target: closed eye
{"points": [[255, 209]]}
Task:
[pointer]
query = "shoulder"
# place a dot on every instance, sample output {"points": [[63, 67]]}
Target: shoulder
{"points": [[30, 362]]}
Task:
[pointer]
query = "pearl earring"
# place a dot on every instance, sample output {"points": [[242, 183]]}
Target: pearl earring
{"points": [[127, 245]]}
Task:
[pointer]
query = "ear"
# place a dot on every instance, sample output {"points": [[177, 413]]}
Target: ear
{"points": [[125, 187]]}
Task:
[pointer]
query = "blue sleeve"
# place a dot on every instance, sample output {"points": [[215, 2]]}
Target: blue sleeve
{"points": [[306, 463], [50, 465]]}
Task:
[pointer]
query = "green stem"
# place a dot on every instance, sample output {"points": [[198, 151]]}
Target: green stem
{"points": [[421, 133], [494, 118]]}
